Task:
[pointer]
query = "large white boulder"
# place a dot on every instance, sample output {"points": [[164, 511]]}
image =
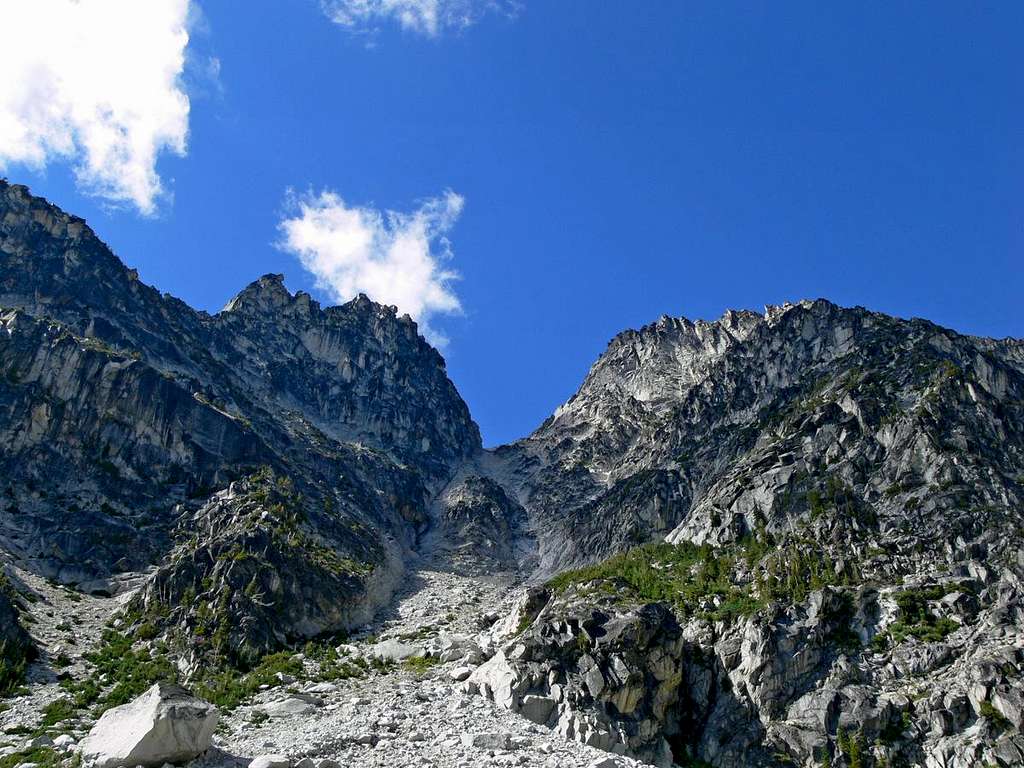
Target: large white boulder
{"points": [[166, 724], [395, 650], [497, 681]]}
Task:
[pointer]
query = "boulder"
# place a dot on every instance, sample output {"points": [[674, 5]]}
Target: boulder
{"points": [[271, 761], [498, 681], [166, 724], [537, 708], [460, 673], [296, 704], [395, 650], [487, 740]]}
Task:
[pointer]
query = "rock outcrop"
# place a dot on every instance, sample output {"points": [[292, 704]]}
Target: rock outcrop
{"points": [[852, 423], [786, 685], [601, 672], [795, 458], [478, 516]]}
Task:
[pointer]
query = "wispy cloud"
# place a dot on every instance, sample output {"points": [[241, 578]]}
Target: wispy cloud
{"points": [[96, 83], [394, 258], [425, 17]]}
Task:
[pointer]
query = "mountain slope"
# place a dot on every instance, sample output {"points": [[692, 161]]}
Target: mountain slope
{"points": [[708, 431], [788, 538], [123, 412], [841, 497]]}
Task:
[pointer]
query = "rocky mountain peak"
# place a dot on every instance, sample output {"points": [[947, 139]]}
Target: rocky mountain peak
{"points": [[267, 294]]}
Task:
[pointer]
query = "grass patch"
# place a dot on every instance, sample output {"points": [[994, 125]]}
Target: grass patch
{"points": [[421, 664], [41, 757]]}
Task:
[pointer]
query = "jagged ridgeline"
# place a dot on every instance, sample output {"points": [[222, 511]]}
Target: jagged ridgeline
{"points": [[788, 538]]}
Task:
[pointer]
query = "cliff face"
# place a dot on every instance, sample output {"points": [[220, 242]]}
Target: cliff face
{"points": [[841, 494], [123, 412], [708, 432]]}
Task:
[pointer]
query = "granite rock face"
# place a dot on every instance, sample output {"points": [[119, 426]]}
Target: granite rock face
{"points": [[478, 516], [126, 416], [814, 454], [706, 431]]}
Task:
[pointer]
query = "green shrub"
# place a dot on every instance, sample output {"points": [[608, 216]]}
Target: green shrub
{"points": [[916, 618], [331, 664], [258, 717], [792, 572], [58, 711], [13, 663], [62, 661], [994, 716], [127, 672], [852, 747], [229, 688], [41, 757]]}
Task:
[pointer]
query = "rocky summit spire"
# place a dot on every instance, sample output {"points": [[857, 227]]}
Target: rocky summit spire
{"points": [[267, 294]]}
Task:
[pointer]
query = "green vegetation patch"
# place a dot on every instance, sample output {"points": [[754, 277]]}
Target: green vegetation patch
{"points": [[791, 572], [14, 661], [994, 716], [682, 575], [332, 665], [41, 757], [853, 747], [16, 650], [125, 672], [229, 688], [915, 618], [686, 575], [421, 664]]}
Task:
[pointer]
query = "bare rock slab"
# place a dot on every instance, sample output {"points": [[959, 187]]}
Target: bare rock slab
{"points": [[166, 724]]}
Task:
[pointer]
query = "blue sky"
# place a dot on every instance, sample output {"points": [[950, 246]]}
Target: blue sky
{"points": [[607, 163]]}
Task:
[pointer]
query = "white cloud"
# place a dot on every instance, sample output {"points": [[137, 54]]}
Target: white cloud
{"points": [[426, 17], [97, 83], [394, 258]]}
